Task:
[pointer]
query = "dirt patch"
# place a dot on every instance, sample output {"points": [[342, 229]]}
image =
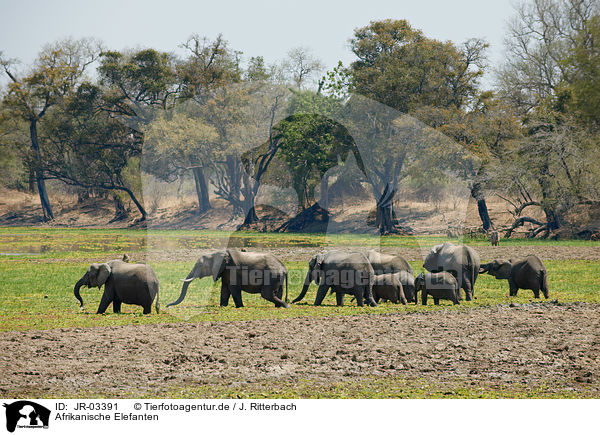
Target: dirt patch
{"points": [[549, 346]]}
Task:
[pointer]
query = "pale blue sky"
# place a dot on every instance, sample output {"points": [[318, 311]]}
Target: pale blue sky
{"points": [[256, 27]]}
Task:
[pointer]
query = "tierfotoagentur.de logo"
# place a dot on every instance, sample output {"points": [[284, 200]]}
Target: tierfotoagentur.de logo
{"points": [[24, 414]]}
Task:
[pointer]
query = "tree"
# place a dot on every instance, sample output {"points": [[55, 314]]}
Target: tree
{"points": [[583, 73], [551, 57], [137, 84], [400, 68], [177, 142], [87, 147], [210, 65], [301, 66], [542, 34], [57, 72]]}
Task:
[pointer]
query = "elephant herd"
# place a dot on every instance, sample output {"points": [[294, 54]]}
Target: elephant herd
{"points": [[369, 277]]}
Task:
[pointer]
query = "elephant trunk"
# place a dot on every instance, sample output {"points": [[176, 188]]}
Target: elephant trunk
{"points": [[485, 267], [83, 281], [307, 282], [186, 283]]}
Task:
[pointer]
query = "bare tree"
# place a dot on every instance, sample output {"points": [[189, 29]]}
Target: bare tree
{"points": [[301, 66]]}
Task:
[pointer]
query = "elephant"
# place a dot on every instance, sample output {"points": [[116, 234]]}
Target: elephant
{"points": [[343, 272], [408, 285], [441, 285], [253, 272], [460, 260], [387, 263], [123, 282], [528, 273], [388, 287], [494, 237]]}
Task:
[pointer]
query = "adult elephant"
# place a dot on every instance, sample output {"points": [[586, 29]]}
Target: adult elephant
{"points": [[527, 273], [460, 260], [343, 272], [388, 263], [253, 272], [123, 282]]}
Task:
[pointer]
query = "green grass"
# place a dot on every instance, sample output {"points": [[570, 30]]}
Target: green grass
{"points": [[36, 290], [43, 243], [367, 387]]}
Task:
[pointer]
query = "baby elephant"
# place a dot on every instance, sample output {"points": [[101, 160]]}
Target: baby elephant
{"points": [[441, 285], [494, 237], [389, 287], [528, 273]]}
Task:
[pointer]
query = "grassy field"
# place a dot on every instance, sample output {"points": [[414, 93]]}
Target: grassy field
{"points": [[37, 278], [39, 267]]}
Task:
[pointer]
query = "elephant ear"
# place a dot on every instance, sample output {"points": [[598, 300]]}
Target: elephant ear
{"points": [[315, 264], [220, 260], [103, 274]]}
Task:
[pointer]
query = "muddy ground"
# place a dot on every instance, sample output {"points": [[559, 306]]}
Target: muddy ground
{"points": [[544, 347]]}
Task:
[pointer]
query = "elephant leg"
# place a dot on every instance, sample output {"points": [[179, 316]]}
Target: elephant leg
{"points": [[236, 293], [321, 293], [147, 309], [536, 294], [359, 294], [339, 298], [376, 298], [272, 295], [512, 288], [116, 304], [436, 301], [468, 287], [107, 298], [225, 294], [424, 297]]}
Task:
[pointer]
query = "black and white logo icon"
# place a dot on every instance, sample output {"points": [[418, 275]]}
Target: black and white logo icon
{"points": [[26, 414]]}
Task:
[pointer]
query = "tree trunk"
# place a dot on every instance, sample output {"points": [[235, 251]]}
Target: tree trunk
{"points": [[385, 211], [251, 216], [120, 211], [201, 189], [478, 195], [249, 192], [31, 186], [139, 206], [324, 200], [39, 174]]}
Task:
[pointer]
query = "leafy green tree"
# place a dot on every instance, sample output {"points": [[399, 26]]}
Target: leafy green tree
{"points": [[177, 142], [406, 72], [584, 73], [58, 71], [89, 148]]}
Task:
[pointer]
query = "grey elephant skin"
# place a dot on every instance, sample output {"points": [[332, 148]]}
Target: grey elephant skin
{"points": [[343, 272], [527, 273], [123, 282], [252, 272], [441, 285], [460, 260], [388, 263], [388, 287]]}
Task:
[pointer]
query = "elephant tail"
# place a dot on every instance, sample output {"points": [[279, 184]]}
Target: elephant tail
{"points": [[156, 304], [544, 283], [286, 288]]}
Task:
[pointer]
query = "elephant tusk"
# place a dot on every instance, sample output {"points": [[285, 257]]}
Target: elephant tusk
{"points": [[187, 279]]}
